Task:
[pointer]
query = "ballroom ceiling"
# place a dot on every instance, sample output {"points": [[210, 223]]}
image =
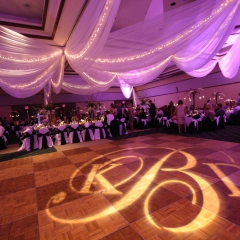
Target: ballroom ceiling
{"points": [[53, 21]]}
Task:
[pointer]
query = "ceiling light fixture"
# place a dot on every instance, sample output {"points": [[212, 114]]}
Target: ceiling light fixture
{"points": [[26, 5], [173, 4]]}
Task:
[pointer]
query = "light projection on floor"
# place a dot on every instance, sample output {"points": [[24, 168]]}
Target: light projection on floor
{"points": [[141, 186]]}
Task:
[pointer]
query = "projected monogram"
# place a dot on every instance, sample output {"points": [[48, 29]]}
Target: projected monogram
{"points": [[96, 177]]}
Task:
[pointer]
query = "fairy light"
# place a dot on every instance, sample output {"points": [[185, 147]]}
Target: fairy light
{"points": [[169, 43], [143, 72], [98, 82], [76, 86], [12, 59], [60, 75], [96, 31], [205, 46], [29, 85]]}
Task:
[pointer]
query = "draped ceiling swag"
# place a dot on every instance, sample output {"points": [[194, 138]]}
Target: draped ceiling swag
{"points": [[190, 36]]}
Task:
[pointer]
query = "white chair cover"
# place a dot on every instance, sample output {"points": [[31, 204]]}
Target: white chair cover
{"points": [[166, 121], [87, 125], [97, 134], [121, 127], [26, 142], [145, 121], [217, 120], [71, 134], [3, 139], [58, 136], [44, 130]]}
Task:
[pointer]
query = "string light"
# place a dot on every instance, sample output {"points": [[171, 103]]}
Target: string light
{"points": [[55, 85], [169, 43], [96, 31], [29, 85], [143, 72], [205, 46], [33, 60], [98, 82], [76, 86]]}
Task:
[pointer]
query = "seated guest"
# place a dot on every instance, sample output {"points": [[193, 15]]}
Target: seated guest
{"points": [[209, 113], [160, 112], [208, 120], [65, 120], [191, 108], [238, 99], [137, 113], [226, 106], [109, 117], [234, 116], [74, 118], [61, 115], [143, 114], [27, 122], [236, 109], [219, 111]]}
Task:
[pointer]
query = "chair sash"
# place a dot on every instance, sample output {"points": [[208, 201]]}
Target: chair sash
{"points": [[101, 131], [44, 139], [145, 121], [63, 140], [122, 126], [30, 136], [2, 143], [75, 132], [87, 133], [166, 122]]}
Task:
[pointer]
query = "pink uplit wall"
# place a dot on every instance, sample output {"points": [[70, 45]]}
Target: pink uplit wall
{"points": [[162, 92], [5, 111]]}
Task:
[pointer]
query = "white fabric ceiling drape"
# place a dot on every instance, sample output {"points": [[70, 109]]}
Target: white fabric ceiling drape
{"points": [[190, 36]]}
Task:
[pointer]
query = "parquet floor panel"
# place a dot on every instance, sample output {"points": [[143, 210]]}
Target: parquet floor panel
{"points": [[156, 186]]}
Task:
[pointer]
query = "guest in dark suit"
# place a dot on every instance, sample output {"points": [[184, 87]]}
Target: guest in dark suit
{"points": [[219, 111], [152, 112], [61, 115]]}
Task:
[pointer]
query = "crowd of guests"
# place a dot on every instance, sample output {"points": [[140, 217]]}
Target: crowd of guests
{"points": [[132, 116]]}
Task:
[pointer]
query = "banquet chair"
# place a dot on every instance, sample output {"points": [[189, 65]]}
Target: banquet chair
{"points": [[99, 131], [173, 127], [222, 121], [143, 123], [160, 122], [114, 128], [61, 137], [122, 127], [3, 139], [87, 132], [44, 138], [75, 134], [17, 130], [29, 140], [208, 124]]}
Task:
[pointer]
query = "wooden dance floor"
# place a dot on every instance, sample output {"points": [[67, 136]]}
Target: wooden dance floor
{"points": [[156, 186]]}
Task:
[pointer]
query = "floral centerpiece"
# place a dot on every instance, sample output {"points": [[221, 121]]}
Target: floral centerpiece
{"points": [[47, 111], [192, 93], [14, 114], [217, 95]]}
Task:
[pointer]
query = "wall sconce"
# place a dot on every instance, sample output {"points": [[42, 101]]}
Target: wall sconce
{"points": [[63, 105], [26, 107]]}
